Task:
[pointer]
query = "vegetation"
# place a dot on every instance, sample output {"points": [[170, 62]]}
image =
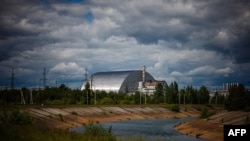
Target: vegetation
{"points": [[218, 99], [36, 133], [175, 108], [190, 95], [205, 113], [63, 95], [19, 126], [16, 117], [238, 98], [97, 130], [107, 100]]}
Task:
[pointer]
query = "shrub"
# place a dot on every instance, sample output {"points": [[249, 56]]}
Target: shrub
{"points": [[175, 108], [17, 117], [107, 100], [4, 117], [58, 102], [74, 113], [97, 130], [205, 113], [125, 102], [13, 132], [198, 108]]}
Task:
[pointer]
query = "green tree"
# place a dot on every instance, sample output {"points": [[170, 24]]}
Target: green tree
{"points": [[218, 98], [172, 93], [159, 96], [203, 95], [236, 98], [191, 94], [137, 97]]}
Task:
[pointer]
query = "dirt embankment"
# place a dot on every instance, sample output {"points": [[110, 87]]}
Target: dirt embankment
{"points": [[212, 127], [65, 118], [69, 117]]}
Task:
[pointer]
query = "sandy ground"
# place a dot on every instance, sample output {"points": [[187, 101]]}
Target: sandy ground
{"points": [[212, 127], [202, 129]]}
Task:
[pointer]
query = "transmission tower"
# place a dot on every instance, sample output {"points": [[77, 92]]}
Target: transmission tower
{"points": [[86, 75], [22, 98], [44, 77], [12, 78], [31, 96]]}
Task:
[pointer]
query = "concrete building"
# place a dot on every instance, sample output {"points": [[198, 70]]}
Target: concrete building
{"points": [[149, 87]]}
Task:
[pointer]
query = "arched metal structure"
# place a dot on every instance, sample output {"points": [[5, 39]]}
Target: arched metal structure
{"points": [[117, 81]]}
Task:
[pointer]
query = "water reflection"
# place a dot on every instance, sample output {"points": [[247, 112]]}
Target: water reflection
{"points": [[150, 129]]}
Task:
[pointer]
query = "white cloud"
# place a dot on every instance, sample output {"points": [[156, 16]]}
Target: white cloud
{"points": [[224, 71], [71, 68], [201, 71], [176, 74]]}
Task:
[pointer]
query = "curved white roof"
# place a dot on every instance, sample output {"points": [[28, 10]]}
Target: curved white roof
{"points": [[117, 81]]}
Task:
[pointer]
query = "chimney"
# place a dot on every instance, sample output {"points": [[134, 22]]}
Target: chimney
{"points": [[143, 74]]}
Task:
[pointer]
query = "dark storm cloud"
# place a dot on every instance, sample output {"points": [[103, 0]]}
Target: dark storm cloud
{"points": [[229, 23], [193, 42], [205, 19]]}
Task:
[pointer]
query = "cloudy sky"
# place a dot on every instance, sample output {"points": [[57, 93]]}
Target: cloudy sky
{"points": [[193, 42]]}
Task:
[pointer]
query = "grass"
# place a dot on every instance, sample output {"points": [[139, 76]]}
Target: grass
{"points": [[20, 126], [34, 132], [13, 132]]}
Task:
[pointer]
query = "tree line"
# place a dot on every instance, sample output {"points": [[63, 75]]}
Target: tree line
{"points": [[65, 95], [188, 95], [169, 94]]}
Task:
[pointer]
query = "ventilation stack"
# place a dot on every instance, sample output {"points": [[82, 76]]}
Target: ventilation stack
{"points": [[143, 74]]}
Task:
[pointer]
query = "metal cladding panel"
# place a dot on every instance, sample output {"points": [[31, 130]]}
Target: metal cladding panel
{"points": [[109, 81], [132, 81], [116, 81]]}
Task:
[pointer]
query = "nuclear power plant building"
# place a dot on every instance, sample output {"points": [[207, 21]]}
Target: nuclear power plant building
{"points": [[118, 81]]}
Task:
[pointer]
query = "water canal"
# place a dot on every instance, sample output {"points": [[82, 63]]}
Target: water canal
{"points": [[147, 130]]}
